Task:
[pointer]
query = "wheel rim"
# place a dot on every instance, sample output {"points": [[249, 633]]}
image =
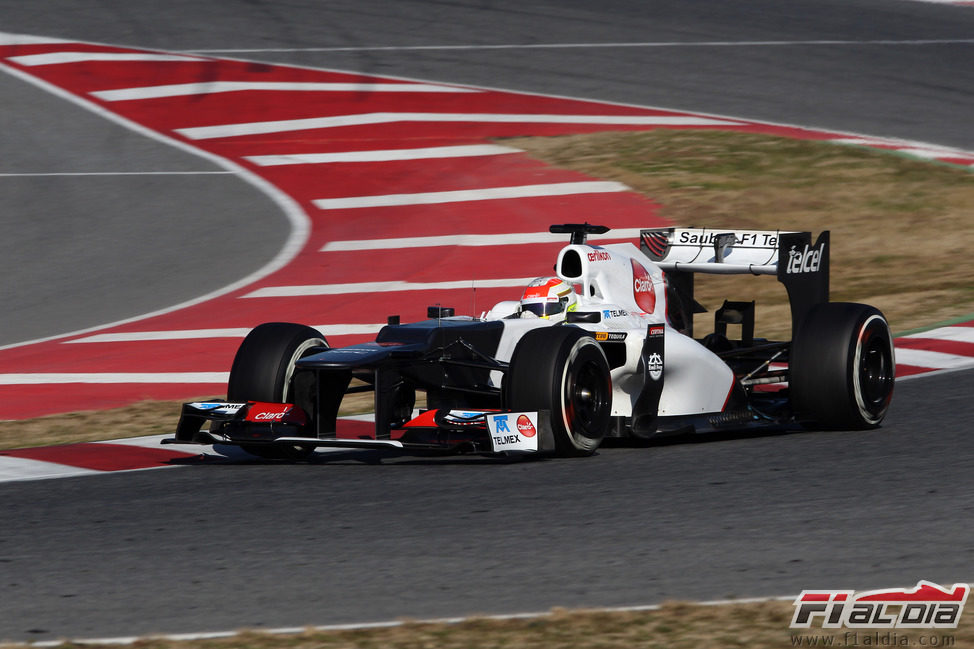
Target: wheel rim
{"points": [[875, 371], [298, 354], [586, 397]]}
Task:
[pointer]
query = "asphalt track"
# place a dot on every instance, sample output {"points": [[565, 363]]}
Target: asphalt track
{"points": [[216, 547]]}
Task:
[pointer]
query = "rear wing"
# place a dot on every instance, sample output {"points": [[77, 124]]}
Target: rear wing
{"points": [[790, 256]]}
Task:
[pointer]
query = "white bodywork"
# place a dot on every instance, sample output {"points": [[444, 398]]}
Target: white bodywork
{"points": [[628, 290]]}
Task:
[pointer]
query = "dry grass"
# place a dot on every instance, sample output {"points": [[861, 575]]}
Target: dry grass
{"points": [[145, 418], [675, 625], [901, 229]]}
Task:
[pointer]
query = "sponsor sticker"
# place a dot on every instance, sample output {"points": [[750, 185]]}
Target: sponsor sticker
{"points": [[525, 426], [599, 255], [513, 431], [613, 336], [217, 407], [642, 288], [463, 418], [655, 366], [750, 239], [268, 412], [808, 260]]}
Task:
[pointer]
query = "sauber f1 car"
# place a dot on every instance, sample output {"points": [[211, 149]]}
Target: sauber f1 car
{"points": [[605, 349]]}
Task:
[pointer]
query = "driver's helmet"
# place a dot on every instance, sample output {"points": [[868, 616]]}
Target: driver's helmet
{"points": [[550, 298]]}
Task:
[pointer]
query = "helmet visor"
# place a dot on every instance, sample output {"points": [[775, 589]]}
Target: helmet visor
{"points": [[544, 309]]}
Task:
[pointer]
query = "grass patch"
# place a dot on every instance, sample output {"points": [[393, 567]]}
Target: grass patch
{"points": [[674, 625]]}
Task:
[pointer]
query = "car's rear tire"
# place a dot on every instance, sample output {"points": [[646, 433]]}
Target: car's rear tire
{"points": [[563, 369], [262, 370], [842, 367]]}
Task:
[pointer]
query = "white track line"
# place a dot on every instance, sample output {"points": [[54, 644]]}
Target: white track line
{"points": [[382, 155], [383, 287], [489, 193], [56, 58], [962, 334], [47, 378], [335, 121], [933, 360], [213, 87], [467, 240], [202, 334]]}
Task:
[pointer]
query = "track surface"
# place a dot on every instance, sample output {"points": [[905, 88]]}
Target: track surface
{"points": [[257, 545], [348, 542]]}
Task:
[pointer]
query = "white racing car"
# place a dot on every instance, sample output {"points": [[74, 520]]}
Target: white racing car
{"points": [[604, 349]]}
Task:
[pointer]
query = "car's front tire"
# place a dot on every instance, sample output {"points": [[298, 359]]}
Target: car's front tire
{"points": [[263, 369], [563, 369]]}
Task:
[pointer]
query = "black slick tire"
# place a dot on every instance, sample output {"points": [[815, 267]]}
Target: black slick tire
{"points": [[842, 367], [563, 369], [262, 371]]}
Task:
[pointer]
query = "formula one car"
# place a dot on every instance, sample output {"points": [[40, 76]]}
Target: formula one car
{"points": [[605, 349]]}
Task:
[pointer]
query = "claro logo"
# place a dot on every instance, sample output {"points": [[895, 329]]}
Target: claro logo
{"points": [[269, 412], [268, 416], [642, 288], [525, 427]]}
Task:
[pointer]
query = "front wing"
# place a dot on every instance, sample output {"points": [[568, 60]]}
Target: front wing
{"points": [[254, 423]]}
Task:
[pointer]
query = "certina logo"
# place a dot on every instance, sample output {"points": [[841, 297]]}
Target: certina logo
{"points": [[599, 255], [655, 366], [642, 288], [808, 260], [927, 606], [525, 427]]}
